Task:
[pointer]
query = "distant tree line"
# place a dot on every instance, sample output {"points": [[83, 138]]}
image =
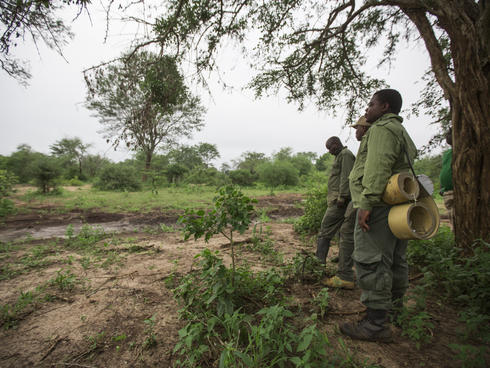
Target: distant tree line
{"points": [[70, 163]]}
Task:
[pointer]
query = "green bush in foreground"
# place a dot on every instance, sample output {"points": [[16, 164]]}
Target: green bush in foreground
{"points": [[245, 324], [462, 281]]}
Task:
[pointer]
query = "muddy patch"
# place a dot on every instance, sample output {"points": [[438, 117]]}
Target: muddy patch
{"points": [[45, 222]]}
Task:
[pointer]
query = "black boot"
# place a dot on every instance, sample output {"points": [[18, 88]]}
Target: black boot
{"points": [[371, 328], [322, 247]]}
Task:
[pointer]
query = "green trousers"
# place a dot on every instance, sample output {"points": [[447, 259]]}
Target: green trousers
{"points": [[346, 245], [380, 261], [332, 221]]}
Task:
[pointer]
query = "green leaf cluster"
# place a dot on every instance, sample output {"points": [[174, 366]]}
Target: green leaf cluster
{"points": [[460, 280], [315, 206], [232, 212], [7, 181], [225, 327]]}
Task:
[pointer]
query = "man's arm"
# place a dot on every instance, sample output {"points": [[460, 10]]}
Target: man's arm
{"points": [[344, 192], [383, 151]]}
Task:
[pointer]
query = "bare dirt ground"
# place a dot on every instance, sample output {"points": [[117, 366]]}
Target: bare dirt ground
{"points": [[70, 307]]}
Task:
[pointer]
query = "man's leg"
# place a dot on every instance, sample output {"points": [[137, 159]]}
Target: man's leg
{"points": [[332, 220], [346, 246], [373, 257], [345, 273], [400, 278]]}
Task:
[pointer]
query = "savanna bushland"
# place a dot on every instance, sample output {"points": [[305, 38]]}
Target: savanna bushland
{"points": [[176, 271]]}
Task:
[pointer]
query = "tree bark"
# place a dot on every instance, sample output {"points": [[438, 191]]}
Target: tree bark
{"points": [[471, 135], [469, 96]]}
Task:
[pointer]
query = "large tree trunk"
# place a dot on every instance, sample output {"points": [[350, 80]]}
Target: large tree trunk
{"points": [[471, 169], [471, 135], [466, 25]]}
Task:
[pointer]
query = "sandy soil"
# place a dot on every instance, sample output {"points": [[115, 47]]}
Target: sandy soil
{"points": [[98, 320]]}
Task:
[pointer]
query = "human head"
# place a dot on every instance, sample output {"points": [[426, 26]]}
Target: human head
{"points": [[449, 136], [384, 101], [361, 127], [334, 145]]}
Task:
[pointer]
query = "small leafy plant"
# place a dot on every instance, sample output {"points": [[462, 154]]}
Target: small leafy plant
{"points": [[65, 280], [150, 339], [232, 212], [322, 300]]}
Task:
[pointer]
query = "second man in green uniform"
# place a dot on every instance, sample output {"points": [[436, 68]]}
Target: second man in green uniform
{"points": [[338, 195]]}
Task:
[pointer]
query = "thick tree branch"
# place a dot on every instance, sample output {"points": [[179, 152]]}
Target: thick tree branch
{"points": [[439, 64]]}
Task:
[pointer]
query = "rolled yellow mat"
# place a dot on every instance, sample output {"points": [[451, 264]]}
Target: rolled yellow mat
{"points": [[412, 221], [426, 199], [401, 188]]}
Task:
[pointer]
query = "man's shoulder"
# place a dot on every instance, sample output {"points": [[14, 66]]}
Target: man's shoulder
{"points": [[347, 152], [389, 123], [388, 120]]}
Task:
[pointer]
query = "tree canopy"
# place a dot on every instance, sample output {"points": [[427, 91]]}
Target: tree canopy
{"points": [[73, 150], [142, 101], [34, 19]]}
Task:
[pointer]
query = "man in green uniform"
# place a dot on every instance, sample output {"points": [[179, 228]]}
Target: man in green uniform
{"points": [[338, 195], [345, 274], [379, 257]]}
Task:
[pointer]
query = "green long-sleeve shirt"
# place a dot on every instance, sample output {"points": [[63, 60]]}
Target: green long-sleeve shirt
{"points": [[446, 176], [338, 182], [380, 156]]}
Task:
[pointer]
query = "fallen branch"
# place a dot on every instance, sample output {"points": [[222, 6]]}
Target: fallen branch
{"points": [[52, 347], [227, 245]]}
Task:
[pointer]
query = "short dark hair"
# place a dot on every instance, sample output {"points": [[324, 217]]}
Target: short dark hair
{"points": [[331, 140], [392, 97]]}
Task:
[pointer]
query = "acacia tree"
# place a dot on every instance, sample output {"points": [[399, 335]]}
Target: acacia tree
{"points": [[317, 50], [142, 100], [34, 19], [72, 149]]}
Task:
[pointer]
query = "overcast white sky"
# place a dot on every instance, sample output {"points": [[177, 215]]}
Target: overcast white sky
{"points": [[51, 107]]}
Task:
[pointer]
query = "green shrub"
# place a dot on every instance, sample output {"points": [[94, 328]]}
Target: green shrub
{"points": [[229, 330], [47, 174], [242, 177], [462, 281], [175, 173], [232, 212], [87, 236], [315, 207], [119, 178], [75, 182], [470, 356], [276, 173], [7, 181], [204, 175]]}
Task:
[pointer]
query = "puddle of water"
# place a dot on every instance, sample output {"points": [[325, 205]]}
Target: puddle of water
{"points": [[59, 231]]}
